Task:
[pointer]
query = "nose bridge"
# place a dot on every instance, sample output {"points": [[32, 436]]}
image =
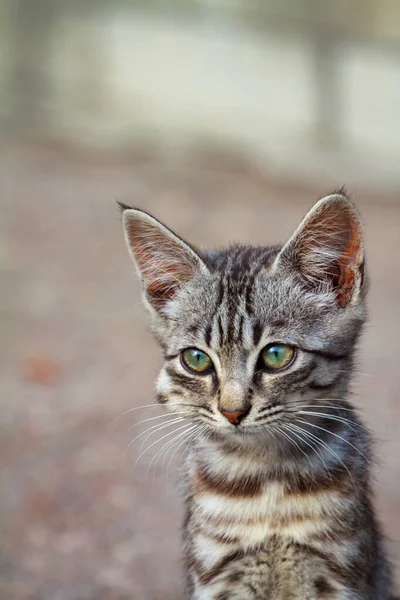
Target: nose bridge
{"points": [[233, 395]]}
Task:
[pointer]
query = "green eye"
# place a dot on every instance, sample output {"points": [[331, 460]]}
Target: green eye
{"points": [[196, 360], [277, 356]]}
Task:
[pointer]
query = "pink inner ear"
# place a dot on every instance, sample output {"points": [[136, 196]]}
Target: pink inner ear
{"points": [[162, 274], [165, 288], [164, 260], [328, 248], [349, 262]]}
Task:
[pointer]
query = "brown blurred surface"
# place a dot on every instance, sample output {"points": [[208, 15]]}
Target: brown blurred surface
{"points": [[76, 354]]}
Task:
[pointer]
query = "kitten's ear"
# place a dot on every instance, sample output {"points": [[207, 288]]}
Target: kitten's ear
{"points": [[164, 261], [327, 249]]}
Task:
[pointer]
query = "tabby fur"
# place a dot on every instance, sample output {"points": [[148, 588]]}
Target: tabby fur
{"points": [[279, 506]]}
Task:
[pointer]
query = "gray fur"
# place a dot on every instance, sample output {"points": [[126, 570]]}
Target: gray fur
{"points": [[279, 507]]}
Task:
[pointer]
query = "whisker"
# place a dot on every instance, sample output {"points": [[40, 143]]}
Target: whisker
{"points": [[169, 445], [270, 430], [190, 432], [342, 403], [152, 430], [192, 436], [356, 373], [204, 430], [160, 451], [157, 404], [158, 428], [312, 446], [158, 417], [186, 436], [336, 406], [348, 422], [337, 436], [156, 442], [286, 435], [328, 448]]}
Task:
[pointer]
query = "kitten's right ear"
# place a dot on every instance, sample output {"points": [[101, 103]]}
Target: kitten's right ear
{"points": [[327, 249], [163, 260]]}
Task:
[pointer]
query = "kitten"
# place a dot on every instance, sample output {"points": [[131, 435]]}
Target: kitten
{"points": [[259, 348]]}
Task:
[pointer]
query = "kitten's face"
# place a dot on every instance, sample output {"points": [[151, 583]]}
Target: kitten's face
{"points": [[253, 336]]}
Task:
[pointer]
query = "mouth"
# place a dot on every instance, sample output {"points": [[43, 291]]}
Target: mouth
{"points": [[248, 431]]}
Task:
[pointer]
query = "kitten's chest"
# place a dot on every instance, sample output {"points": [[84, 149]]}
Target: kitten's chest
{"points": [[243, 507]]}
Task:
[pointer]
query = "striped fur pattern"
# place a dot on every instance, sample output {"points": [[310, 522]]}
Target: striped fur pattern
{"points": [[278, 507]]}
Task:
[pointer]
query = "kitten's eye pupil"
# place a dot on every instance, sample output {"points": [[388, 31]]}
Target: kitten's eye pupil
{"points": [[196, 360], [277, 356]]}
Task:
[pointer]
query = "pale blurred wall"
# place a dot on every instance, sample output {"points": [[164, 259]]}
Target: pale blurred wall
{"points": [[302, 88]]}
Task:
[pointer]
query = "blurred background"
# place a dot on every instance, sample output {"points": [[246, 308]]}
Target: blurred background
{"points": [[227, 119]]}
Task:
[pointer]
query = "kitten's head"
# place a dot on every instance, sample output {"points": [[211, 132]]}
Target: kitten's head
{"points": [[251, 336]]}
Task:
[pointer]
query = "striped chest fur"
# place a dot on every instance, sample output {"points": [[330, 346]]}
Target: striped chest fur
{"points": [[247, 520], [246, 500], [259, 348]]}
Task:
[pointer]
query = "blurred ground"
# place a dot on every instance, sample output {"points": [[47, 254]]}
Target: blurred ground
{"points": [[76, 354]]}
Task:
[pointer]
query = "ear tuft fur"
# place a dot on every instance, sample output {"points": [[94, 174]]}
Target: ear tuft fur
{"points": [[341, 192], [122, 207]]}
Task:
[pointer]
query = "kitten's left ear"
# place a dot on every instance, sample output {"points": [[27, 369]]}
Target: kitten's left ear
{"points": [[327, 249], [163, 260]]}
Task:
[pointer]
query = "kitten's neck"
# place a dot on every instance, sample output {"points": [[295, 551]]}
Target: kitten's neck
{"points": [[259, 455], [264, 457]]}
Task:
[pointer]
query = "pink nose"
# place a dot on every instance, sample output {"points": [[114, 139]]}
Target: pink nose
{"points": [[234, 417]]}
